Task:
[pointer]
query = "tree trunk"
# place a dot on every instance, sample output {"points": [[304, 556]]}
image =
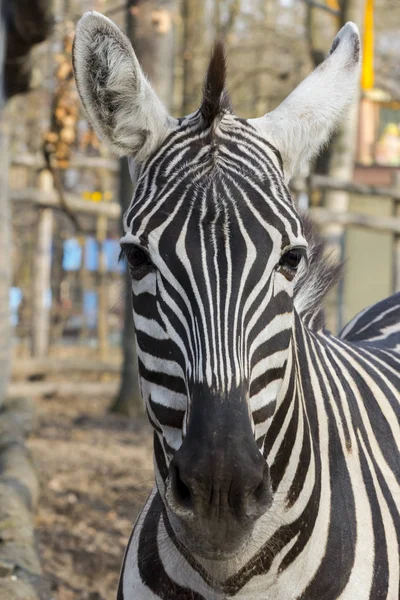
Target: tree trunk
{"points": [[193, 54], [102, 289], [128, 400], [321, 28], [150, 29]]}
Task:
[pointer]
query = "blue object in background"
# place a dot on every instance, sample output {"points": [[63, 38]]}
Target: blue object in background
{"points": [[15, 296], [90, 309], [72, 259], [72, 256], [48, 298], [91, 254], [112, 250]]}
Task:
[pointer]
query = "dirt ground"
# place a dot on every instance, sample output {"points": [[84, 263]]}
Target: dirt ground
{"points": [[96, 472]]}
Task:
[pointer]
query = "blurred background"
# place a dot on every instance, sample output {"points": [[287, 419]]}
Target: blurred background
{"points": [[66, 332]]}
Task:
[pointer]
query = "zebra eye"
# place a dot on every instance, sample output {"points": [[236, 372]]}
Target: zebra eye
{"points": [[138, 260], [290, 261]]}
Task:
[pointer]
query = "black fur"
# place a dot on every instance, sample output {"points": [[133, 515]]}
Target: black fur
{"points": [[215, 97]]}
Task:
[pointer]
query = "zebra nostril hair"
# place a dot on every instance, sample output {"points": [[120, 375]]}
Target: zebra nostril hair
{"points": [[181, 492], [260, 498], [261, 493]]}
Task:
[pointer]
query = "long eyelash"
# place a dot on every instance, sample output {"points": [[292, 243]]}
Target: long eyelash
{"points": [[121, 255]]}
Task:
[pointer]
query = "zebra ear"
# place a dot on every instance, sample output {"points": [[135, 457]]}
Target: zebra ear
{"points": [[304, 121], [119, 101]]}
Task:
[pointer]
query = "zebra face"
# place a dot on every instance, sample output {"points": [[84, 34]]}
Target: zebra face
{"points": [[214, 247], [218, 259]]}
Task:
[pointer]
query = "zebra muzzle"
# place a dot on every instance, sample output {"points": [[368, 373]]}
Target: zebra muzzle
{"points": [[219, 482]]}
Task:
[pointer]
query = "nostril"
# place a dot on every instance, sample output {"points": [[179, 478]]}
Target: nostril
{"points": [[182, 493], [262, 493]]}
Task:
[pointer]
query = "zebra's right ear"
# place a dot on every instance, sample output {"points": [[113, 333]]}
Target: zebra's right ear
{"points": [[300, 126], [119, 102]]}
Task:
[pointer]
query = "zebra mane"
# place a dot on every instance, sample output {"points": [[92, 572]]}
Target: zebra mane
{"points": [[322, 274], [215, 100]]}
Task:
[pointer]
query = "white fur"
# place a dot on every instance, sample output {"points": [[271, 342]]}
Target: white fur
{"points": [[304, 121], [120, 103]]}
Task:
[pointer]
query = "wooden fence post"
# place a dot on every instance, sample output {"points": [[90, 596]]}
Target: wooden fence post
{"points": [[102, 309], [42, 275], [84, 282], [5, 253]]}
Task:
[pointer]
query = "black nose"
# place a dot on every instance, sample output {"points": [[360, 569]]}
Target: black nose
{"points": [[205, 482]]}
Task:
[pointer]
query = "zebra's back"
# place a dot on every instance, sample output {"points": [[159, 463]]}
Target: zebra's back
{"points": [[378, 325]]}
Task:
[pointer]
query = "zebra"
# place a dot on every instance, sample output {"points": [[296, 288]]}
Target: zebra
{"points": [[276, 443]]}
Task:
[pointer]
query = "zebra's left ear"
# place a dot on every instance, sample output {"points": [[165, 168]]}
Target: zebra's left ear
{"points": [[119, 101], [305, 120]]}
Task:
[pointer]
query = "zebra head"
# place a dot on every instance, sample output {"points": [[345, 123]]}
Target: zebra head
{"points": [[220, 262]]}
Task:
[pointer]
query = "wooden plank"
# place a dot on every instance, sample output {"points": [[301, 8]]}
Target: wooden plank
{"points": [[35, 161], [26, 367], [322, 216], [51, 199], [63, 388], [41, 283], [329, 183]]}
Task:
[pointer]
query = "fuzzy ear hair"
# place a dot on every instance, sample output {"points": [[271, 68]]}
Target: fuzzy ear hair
{"points": [[305, 120], [119, 101]]}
